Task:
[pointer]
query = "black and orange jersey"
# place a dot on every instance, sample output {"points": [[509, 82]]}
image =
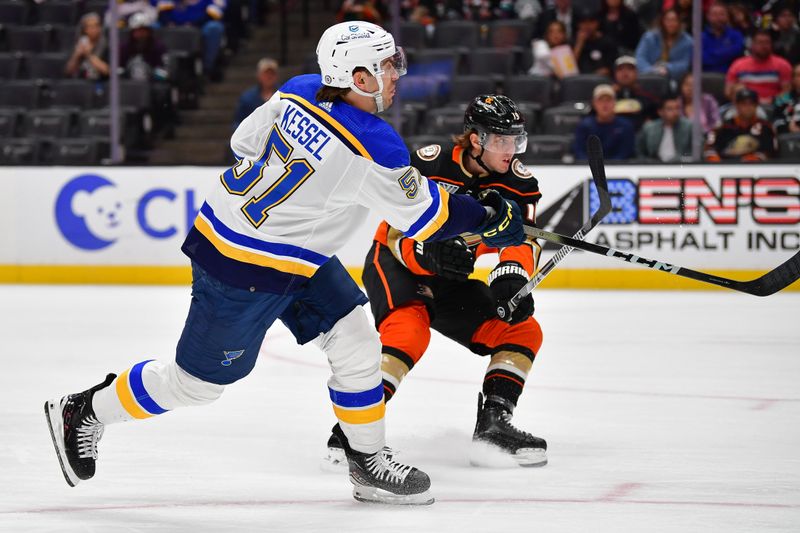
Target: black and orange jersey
{"points": [[738, 139], [445, 165]]}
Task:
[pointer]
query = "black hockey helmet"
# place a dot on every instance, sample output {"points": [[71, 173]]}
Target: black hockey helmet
{"points": [[494, 113]]}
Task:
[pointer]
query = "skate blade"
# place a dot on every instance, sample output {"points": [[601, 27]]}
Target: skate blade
{"points": [[375, 495], [531, 457], [52, 412], [487, 455], [335, 461]]}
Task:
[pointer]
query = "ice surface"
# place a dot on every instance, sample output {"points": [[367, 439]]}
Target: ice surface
{"points": [[663, 412]]}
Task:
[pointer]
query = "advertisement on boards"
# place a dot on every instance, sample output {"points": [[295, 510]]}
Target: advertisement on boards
{"points": [[732, 218], [715, 217]]}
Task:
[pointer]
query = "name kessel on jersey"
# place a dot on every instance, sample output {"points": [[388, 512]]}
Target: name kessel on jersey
{"points": [[305, 130]]}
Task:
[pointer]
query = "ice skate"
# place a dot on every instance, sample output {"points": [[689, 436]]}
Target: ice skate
{"points": [[495, 431], [377, 478], [336, 459], [76, 431]]}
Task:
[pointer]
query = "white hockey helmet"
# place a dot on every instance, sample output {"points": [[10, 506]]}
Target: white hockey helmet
{"points": [[349, 45]]}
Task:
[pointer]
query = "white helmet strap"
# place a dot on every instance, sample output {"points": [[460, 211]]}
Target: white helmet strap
{"points": [[378, 95]]}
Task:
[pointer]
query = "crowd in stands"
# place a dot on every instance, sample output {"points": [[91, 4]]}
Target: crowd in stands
{"points": [[55, 64], [619, 68]]}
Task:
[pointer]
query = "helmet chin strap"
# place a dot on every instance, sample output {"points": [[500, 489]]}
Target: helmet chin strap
{"points": [[478, 158], [378, 95]]}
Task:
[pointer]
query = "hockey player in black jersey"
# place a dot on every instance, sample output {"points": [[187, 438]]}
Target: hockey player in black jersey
{"points": [[414, 286]]}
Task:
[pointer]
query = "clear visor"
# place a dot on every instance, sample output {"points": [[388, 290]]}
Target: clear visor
{"points": [[396, 64], [505, 144]]}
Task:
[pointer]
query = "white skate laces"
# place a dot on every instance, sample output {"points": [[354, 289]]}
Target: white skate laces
{"points": [[505, 417], [384, 468], [89, 434]]}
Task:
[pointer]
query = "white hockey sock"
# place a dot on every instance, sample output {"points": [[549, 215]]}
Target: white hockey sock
{"points": [[151, 388], [356, 386]]}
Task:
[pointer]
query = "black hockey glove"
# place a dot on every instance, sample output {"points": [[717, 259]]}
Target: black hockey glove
{"points": [[451, 259], [505, 280], [504, 228]]}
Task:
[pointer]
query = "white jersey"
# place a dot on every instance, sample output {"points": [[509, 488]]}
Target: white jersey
{"points": [[308, 172]]}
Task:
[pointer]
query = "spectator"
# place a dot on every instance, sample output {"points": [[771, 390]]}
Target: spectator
{"points": [[670, 4], [683, 8], [478, 10], [762, 71], [666, 50], [235, 26], [267, 75], [721, 43], [787, 106], [528, 9], [367, 10], [504, 9], [444, 9], [561, 10], [744, 137], [488, 10], [595, 53], [142, 55], [616, 134], [787, 35], [633, 102], [419, 13], [742, 21], [621, 24], [128, 8], [553, 56], [204, 14], [669, 138], [709, 109], [89, 59], [142, 58]]}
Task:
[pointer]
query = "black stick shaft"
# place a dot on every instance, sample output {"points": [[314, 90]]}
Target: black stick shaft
{"points": [[594, 150], [769, 283]]}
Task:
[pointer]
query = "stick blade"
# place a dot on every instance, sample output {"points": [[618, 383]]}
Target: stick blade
{"points": [[777, 279], [594, 150]]}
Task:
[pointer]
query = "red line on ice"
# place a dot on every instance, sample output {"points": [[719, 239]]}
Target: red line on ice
{"points": [[760, 403]]}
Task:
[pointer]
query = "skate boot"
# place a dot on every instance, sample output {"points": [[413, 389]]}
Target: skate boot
{"points": [[494, 428], [378, 478], [76, 431], [336, 460]]}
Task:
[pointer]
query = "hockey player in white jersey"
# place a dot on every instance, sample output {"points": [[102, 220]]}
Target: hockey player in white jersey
{"points": [[313, 160]]}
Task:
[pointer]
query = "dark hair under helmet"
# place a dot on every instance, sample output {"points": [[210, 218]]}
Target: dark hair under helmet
{"points": [[493, 113]]}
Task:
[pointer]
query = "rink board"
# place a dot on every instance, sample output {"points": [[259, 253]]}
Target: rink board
{"points": [[125, 225]]}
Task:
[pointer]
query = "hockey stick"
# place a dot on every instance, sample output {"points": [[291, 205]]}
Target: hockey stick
{"points": [[595, 152], [773, 281]]}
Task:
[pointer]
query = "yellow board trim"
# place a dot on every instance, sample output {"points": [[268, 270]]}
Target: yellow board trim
{"points": [[182, 275], [438, 222], [330, 121], [360, 416], [126, 398], [96, 275], [227, 250]]}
